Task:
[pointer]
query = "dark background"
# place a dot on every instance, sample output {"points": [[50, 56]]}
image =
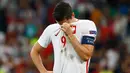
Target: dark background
{"points": [[23, 21]]}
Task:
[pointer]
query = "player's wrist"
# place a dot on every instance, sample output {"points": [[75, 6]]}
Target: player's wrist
{"points": [[43, 71], [71, 36]]}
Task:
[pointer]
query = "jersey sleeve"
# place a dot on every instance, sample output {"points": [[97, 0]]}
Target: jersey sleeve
{"points": [[89, 32], [45, 39]]}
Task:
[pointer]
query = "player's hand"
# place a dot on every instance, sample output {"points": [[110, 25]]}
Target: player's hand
{"points": [[47, 72], [66, 28]]}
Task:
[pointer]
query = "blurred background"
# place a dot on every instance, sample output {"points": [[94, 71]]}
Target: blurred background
{"points": [[23, 21]]}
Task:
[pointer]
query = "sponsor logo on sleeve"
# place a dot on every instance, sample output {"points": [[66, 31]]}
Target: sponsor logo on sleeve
{"points": [[92, 32]]}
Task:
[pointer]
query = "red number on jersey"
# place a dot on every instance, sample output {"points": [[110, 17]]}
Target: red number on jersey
{"points": [[63, 40], [74, 28]]}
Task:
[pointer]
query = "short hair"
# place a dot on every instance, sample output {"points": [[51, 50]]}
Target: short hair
{"points": [[62, 11]]}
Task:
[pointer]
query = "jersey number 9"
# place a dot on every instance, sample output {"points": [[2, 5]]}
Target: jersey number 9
{"points": [[63, 40]]}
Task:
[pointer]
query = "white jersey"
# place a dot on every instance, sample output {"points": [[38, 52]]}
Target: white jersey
{"points": [[66, 60]]}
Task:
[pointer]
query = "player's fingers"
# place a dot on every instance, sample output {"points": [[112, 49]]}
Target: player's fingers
{"points": [[61, 26], [64, 26], [63, 29], [50, 72], [64, 23]]}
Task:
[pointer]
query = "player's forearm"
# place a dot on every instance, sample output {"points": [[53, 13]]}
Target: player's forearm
{"points": [[37, 61], [83, 52]]}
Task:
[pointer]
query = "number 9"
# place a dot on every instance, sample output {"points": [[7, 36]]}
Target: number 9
{"points": [[63, 40]]}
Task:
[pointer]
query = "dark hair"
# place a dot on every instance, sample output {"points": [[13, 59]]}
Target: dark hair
{"points": [[62, 11]]}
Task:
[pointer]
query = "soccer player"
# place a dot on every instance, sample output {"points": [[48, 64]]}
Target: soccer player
{"points": [[72, 39]]}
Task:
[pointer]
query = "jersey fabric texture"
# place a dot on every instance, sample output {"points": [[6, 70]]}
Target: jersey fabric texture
{"points": [[66, 60]]}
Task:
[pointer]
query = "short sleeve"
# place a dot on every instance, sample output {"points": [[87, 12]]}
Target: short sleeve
{"points": [[88, 33], [45, 39]]}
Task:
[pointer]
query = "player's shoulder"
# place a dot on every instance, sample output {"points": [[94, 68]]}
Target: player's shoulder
{"points": [[87, 23], [53, 26]]}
